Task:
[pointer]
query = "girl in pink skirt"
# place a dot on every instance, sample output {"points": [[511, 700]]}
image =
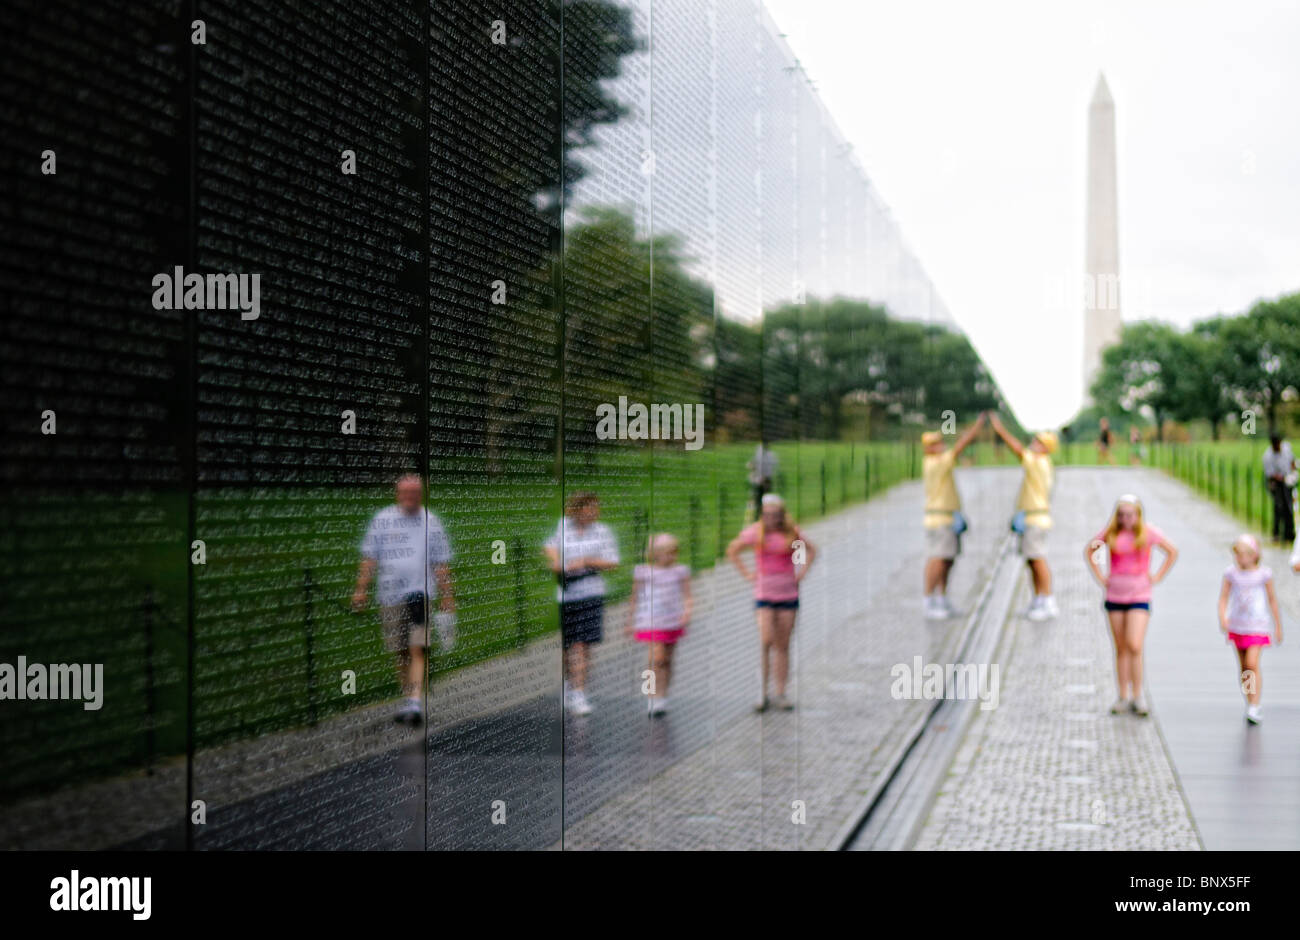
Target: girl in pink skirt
{"points": [[660, 612], [1247, 608]]}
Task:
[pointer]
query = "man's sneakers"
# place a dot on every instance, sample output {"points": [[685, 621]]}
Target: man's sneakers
{"points": [[408, 713], [1043, 607], [937, 607], [444, 621], [1254, 714], [575, 701]]}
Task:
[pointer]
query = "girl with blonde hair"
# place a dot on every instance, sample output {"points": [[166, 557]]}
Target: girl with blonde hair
{"points": [[1128, 540], [782, 556]]}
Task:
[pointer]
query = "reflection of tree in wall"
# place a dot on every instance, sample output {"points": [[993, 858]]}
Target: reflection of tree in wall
{"points": [[852, 356], [497, 130], [624, 331]]}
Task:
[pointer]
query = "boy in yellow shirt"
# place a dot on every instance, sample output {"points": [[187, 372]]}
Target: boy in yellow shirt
{"points": [[1034, 502], [942, 515]]}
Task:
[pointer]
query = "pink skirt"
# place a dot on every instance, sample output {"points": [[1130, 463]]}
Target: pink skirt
{"points": [[1246, 640], [659, 636]]}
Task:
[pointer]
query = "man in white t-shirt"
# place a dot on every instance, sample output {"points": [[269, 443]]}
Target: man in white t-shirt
{"points": [[578, 551], [406, 551]]}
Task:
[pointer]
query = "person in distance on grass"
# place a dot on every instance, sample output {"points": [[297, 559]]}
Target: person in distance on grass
{"points": [[944, 522], [1279, 466], [1105, 437], [782, 556], [1247, 608], [579, 550], [1034, 513], [407, 549], [660, 612], [1128, 541]]}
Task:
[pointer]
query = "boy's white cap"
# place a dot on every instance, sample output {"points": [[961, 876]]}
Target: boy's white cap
{"points": [[771, 499]]}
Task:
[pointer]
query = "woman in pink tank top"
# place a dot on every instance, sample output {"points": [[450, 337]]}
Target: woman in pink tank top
{"points": [[1128, 541], [782, 555]]}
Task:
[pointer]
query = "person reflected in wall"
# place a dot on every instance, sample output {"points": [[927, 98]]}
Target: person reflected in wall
{"points": [[578, 552], [1033, 518], [1279, 475], [944, 522], [782, 557], [405, 552], [660, 612], [762, 469]]}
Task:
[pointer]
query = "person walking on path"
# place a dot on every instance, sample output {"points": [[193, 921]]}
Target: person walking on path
{"points": [[660, 612], [1105, 437], [1033, 519], [1247, 608], [944, 522], [407, 549], [782, 557], [1128, 541], [1279, 463], [579, 550]]}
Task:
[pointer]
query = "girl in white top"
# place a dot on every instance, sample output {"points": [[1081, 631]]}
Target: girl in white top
{"points": [[660, 613], [1247, 608]]}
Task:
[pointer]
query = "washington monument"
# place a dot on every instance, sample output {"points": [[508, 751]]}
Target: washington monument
{"points": [[1101, 317]]}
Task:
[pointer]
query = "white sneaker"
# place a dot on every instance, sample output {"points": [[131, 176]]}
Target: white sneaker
{"points": [[947, 605], [1038, 609], [1120, 707], [1140, 706], [934, 608], [658, 706], [445, 623], [1254, 714], [580, 704], [1050, 605]]}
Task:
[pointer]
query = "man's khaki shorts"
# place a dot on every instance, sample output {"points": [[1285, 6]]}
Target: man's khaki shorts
{"points": [[399, 635], [942, 542], [1033, 541]]}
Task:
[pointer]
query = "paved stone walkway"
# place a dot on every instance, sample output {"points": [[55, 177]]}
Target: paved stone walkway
{"points": [[1050, 768], [861, 614]]}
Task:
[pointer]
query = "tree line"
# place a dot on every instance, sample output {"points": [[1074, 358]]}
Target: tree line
{"points": [[1212, 371]]}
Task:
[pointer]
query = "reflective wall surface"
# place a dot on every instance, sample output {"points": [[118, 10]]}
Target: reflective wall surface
{"points": [[439, 243]]}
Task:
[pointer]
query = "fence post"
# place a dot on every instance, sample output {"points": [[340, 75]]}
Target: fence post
{"points": [[823, 475], [309, 628], [722, 516], [694, 527], [518, 548], [1234, 487], [150, 745]]}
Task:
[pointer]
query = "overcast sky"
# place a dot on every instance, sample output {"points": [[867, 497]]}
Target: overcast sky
{"points": [[971, 119]]}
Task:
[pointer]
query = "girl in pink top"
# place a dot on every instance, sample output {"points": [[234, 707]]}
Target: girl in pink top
{"points": [[1128, 542], [1247, 609], [659, 613], [782, 555]]}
